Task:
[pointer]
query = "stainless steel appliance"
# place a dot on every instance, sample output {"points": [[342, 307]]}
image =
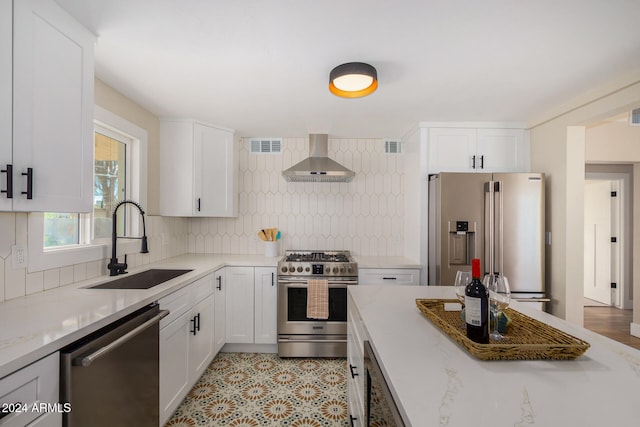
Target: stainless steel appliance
{"points": [[499, 218], [111, 377], [380, 409], [298, 335]]}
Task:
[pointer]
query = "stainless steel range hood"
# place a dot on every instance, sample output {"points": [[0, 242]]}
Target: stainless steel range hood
{"points": [[318, 167]]}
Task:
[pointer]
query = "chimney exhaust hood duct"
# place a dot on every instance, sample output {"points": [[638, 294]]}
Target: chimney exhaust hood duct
{"points": [[318, 167]]}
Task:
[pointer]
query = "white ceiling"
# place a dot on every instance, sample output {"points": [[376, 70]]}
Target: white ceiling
{"points": [[262, 66]]}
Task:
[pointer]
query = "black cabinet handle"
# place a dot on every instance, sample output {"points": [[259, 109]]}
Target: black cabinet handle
{"points": [[198, 208], [193, 329], [482, 162], [9, 190], [29, 175], [272, 279], [473, 162], [352, 368], [198, 322], [352, 419], [219, 279], [389, 278]]}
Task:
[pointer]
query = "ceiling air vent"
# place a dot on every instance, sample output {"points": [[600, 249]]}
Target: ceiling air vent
{"points": [[392, 147], [266, 145], [635, 117]]}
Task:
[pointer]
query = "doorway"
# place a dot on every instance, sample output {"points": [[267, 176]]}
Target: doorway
{"points": [[607, 245]]}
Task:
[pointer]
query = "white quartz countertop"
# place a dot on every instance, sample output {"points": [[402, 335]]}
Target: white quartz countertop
{"points": [[34, 326], [385, 262], [435, 382]]}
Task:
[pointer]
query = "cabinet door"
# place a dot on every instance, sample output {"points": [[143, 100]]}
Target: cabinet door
{"points": [[6, 43], [451, 150], [214, 166], [220, 310], [176, 168], [239, 325], [502, 150], [201, 330], [174, 368], [52, 109], [266, 302]]}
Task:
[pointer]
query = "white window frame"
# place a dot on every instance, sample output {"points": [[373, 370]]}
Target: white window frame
{"points": [[41, 259]]}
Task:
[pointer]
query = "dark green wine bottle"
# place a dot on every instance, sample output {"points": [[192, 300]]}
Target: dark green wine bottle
{"points": [[476, 306]]}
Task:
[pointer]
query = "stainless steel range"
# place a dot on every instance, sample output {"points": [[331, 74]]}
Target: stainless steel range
{"points": [[298, 335]]}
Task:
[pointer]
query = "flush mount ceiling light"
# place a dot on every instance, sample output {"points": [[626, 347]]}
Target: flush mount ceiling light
{"points": [[353, 80]]}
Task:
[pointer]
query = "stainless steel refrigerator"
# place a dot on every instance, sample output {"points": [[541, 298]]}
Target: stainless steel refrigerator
{"points": [[499, 218]]}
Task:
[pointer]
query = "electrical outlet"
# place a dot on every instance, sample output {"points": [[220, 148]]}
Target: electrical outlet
{"points": [[18, 256]]}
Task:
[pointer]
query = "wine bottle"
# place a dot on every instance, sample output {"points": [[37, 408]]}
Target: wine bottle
{"points": [[476, 305]]}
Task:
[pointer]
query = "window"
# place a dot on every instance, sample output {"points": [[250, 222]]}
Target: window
{"points": [[109, 188], [60, 239]]}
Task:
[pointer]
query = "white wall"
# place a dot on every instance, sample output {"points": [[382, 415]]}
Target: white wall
{"points": [[558, 149], [365, 215]]}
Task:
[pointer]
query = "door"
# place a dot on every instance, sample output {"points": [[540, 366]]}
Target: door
{"points": [[6, 104], [52, 109], [451, 149], [500, 150], [213, 172], [519, 227], [266, 301], [597, 241], [239, 325], [174, 369], [201, 330]]}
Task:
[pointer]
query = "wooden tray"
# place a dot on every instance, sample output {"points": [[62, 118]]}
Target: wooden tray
{"points": [[528, 338]]}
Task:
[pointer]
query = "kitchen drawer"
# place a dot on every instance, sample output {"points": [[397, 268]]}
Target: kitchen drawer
{"points": [[389, 276], [177, 303], [201, 288], [35, 384]]}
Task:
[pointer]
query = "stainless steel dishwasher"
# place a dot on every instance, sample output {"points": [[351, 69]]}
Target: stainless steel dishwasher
{"points": [[111, 377]]}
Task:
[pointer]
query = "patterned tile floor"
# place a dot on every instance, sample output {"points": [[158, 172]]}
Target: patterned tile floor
{"points": [[252, 389]]}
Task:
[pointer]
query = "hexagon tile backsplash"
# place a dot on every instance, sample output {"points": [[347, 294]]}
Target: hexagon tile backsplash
{"points": [[364, 215]]}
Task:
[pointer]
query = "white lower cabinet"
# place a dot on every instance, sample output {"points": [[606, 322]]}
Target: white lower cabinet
{"points": [[356, 336], [36, 384], [240, 287], [186, 341], [388, 276], [252, 294], [266, 303]]}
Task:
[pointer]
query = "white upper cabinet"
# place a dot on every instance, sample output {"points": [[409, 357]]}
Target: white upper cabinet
{"points": [[198, 169], [6, 103], [46, 115], [477, 149]]}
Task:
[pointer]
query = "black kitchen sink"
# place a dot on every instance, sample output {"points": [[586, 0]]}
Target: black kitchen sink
{"points": [[143, 280]]}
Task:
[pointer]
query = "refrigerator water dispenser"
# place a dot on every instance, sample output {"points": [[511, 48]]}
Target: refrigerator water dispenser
{"points": [[461, 242]]}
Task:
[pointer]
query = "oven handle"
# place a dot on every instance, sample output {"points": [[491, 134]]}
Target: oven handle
{"points": [[303, 282], [313, 341]]}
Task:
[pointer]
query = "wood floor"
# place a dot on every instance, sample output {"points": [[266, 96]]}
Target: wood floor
{"points": [[612, 323]]}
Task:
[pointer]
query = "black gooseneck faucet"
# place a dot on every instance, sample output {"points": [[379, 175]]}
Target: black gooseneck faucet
{"points": [[114, 266]]}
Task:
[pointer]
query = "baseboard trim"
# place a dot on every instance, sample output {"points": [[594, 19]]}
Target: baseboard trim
{"points": [[249, 348], [635, 329]]}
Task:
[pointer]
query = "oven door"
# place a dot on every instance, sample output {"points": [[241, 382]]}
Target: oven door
{"points": [[292, 308]]}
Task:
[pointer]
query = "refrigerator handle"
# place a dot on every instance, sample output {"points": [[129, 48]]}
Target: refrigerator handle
{"points": [[499, 236], [489, 235]]}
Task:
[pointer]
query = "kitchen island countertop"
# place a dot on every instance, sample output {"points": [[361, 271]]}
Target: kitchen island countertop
{"points": [[435, 382]]}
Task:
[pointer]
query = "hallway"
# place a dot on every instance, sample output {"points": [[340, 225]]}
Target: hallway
{"points": [[611, 322]]}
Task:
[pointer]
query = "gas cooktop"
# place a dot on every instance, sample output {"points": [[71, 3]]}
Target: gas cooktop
{"points": [[318, 263]]}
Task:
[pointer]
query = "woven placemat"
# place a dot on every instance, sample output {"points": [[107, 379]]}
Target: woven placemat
{"points": [[527, 338]]}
